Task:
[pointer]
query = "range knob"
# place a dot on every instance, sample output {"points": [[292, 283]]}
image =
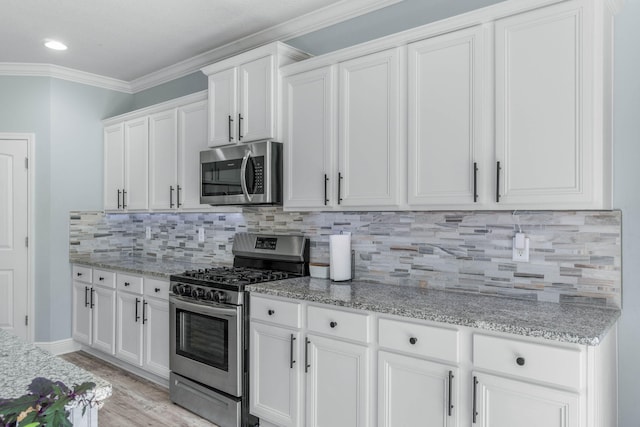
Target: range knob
{"points": [[176, 289], [221, 297], [210, 295], [186, 290], [197, 293]]}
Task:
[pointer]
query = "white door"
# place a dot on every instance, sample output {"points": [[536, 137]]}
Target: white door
{"points": [[113, 167], [543, 139], [163, 166], [415, 392], [129, 321], [155, 317], [136, 164], [103, 304], [309, 138], [369, 138], [337, 383], [275, 375], [192, 139], [14, 227], [501, 402], [445, 101], [223, 120], [256, 100]]}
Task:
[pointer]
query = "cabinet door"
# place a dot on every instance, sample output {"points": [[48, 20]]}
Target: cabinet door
{"points": [[501, 402], [337, 383], [414, 392], [275, 380], [136, 161], [163, 167], [113, 166], [104, 320], [369, 140], [192, 138], [129, 346], [223, 123], [257, 118], [81, 312], [309, 137], [445, 101], [543, 91], [155, 317]]}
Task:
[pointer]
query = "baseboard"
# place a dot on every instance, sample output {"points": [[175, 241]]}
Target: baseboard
{"points": [[60, 347]]}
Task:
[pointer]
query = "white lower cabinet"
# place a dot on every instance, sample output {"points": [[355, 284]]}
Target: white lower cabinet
{"points": [[337, 383], [318, 365], [503, 402], [414, 391], [124, 316]]}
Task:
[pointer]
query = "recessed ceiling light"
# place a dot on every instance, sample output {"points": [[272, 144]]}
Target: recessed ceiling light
{"points": [[55, 45]]}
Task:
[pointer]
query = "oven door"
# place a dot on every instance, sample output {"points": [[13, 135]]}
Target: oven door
{"points": [[206, 343]]}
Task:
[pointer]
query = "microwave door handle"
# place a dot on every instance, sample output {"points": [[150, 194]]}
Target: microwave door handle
{"points": [[243, 176]]}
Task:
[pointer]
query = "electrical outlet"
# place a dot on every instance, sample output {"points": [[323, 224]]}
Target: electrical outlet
{"points": [[201, 234], [520, 248], [148, 233]]}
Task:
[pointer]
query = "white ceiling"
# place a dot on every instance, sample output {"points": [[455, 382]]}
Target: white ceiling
{"points": [[130, 39]]}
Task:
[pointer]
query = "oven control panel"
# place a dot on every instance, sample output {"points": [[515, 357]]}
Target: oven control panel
{"points": [[268, 243], [205, 293]]}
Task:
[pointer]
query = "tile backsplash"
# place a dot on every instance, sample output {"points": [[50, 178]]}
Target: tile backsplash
{"points": [[575, 255]]}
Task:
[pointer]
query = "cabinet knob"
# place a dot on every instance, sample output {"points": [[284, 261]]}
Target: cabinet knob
{"points": [[127, 283], [413, 340], [271, 312], [520, 361], [157, 290], [78, 274], [101, 278], [333, 324]]}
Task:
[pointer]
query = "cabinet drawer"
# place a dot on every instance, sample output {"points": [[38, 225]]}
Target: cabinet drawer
{"points": [[81, 274], [422, 340], [126, 282], [540, 362], [276, 311], [104, 278], [156, 288], [338, 323]]}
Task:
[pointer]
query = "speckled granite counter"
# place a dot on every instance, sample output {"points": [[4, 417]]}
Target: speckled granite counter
{"points": [[21, 362], [559, 322], [146, 266]]}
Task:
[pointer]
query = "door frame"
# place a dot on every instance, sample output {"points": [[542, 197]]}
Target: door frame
{"points": [[30, 140]]}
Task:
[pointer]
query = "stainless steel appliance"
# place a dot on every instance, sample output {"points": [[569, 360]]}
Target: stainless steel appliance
{"points": [[209, 314], [243, 174]]}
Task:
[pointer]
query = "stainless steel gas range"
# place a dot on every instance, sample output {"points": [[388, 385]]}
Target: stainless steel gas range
{"points": [[209, 337]]}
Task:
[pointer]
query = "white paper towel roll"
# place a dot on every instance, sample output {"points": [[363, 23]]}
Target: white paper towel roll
{"points": [[340, 257]]}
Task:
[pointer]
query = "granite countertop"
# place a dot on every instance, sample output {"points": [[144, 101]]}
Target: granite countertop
{"points": [[21, 362], [146, 266], [559, 322]]}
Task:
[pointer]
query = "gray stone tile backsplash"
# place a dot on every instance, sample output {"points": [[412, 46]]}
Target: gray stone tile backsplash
{"points": [[575, 255]]}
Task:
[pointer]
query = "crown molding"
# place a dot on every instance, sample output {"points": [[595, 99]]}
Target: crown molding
{"points": [[63, 73], [321, 18]]}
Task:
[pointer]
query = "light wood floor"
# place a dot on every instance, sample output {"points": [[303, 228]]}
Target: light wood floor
{"points": [[135, 401]]}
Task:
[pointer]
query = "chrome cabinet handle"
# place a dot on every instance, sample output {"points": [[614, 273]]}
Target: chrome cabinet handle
{"points": [[171, 196], [137, 316], [475, 182], [144, 312], [86, 300], [230, 120], [291, 361], [498, 169], [339, 187], [240, 118], [326, 180], [450, 393], [178, 195], [92, 291], [306, 355], [124, 195], [118, 199], [475, 399]]}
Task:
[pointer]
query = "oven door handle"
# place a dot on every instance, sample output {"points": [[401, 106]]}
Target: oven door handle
{"points": [[243, 175], [206, 309]]}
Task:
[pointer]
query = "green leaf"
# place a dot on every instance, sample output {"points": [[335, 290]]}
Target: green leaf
{"points": [[36, 424]]}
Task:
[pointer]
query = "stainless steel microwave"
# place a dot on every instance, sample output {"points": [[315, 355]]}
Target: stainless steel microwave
{"points": [[243, 174]]}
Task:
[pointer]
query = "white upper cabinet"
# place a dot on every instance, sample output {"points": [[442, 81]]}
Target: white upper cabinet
{"points": [[309, 137], [135, 192], [192, 138], [223, 107], [242, 94], [445, 94], [545, 145], [113, 166], [369, 145], [163, 150]]}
